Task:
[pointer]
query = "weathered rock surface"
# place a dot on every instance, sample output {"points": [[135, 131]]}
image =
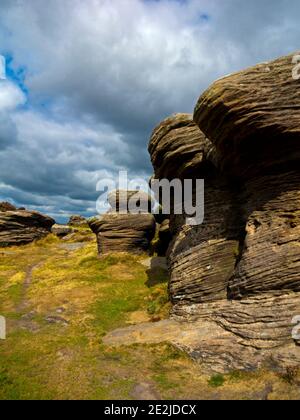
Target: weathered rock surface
{"points": [[201, 258], [78, 221], [165, 237], [122, 201], [123, 232], [224, 336], [253, 117], [253, 120], [61, 230], [22, 227], [237, 276], [177, 147], [4, 206]]}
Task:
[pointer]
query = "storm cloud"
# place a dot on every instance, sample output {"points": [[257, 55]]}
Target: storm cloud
{"points": [[88, 81]]}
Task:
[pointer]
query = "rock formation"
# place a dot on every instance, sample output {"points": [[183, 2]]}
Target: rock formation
{"points": [[165, 237], [4, 206], [239, 272], [21, 227], [124, 232], [123, 201], [201, 258], [62, 230], [253, 118], [78, 221]]}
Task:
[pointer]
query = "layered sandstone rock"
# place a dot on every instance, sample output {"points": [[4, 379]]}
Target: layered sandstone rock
{"points": [[121, 231], [253, 120], [201, 258], [122, 201], [237, 276], [78, 221], [177, 147], [22, 227], [253, 113]]}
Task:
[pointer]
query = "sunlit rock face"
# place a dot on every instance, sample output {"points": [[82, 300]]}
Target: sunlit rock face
{"points": [[119, 230], [253, 119], [20, 227], [238, 272]]}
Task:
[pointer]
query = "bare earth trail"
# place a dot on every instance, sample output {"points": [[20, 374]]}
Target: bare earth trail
{"points": [[21, 307], [80, 327]]}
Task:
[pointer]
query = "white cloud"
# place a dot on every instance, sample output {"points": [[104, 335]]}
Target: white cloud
{"points": [[102, 73], [11, 96]]}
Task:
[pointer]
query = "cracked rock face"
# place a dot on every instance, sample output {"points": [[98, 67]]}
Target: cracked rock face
{"points": [[22, 227]]}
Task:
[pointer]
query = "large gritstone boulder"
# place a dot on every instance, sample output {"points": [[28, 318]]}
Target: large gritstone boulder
{"points": [[127, 227], [253, 120], [123, 232], [22, 227], [201, 258]]}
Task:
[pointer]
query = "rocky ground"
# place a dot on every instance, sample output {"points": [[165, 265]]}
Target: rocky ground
{"points": [[67, 309]]}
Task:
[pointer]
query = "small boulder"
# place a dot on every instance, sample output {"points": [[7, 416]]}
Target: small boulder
{"points": [[78, 221], [61, 230]]}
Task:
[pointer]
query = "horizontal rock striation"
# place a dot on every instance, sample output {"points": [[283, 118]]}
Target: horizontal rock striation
{"points": [[238, 274], [130, 201], [22, 227], [123, 232], [253, 120], [177, 147], [201, 258]]}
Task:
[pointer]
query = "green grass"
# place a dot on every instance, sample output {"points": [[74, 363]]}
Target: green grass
{"points": [[42, 360], [216, 381]]}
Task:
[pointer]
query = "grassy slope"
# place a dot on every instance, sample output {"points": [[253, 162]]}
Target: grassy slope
{"points": [[69, 301]]}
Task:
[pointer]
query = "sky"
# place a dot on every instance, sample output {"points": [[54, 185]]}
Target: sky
{"points": [[88, 80]]}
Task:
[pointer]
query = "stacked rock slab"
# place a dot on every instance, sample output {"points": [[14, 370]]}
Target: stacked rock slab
{"points": [[253, 120], [201, 258], [21, 227], [78, 221], [119, 232]]}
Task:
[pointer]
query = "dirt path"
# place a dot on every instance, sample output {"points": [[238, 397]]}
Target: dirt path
{"points": [[23, 304]]}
